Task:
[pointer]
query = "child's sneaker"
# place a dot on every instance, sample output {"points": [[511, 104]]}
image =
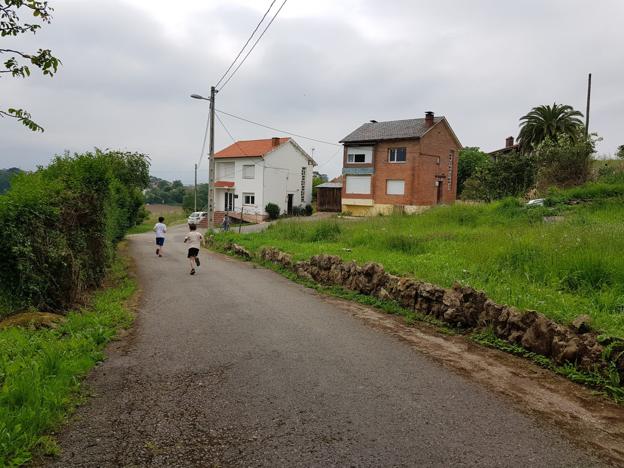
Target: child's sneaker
{"points": [[197, 261], [193, 271]]}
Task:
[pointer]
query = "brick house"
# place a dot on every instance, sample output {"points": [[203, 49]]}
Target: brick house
{"points": [[401, 165]]}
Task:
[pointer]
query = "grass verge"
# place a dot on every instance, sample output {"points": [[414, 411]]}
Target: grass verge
{"points": [[41, 370]]}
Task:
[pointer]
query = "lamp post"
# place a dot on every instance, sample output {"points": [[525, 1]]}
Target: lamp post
{"points": [[211, 163]]}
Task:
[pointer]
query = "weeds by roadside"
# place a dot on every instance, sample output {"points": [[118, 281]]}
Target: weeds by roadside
{"points": [[606, 382], [41, 370]]}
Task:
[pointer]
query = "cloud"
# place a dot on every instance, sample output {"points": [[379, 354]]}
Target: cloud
{"points": [[322, 69]]}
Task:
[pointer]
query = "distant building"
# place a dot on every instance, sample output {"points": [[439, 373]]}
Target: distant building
{"points": [[510, 148], [252, 173], [399, 164]]}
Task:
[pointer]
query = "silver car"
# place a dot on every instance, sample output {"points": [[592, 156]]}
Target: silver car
{"points": [[197, 217]]}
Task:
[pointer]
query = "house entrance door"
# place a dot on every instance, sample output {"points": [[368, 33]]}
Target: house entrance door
{"points": [[291, 197], [439, 191], [229, 201]]}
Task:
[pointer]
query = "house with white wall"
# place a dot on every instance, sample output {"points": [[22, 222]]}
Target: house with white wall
{"points": [[251, 173]]}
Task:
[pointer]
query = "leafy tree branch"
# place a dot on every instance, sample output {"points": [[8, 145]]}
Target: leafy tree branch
{"points": [[18, 63]]}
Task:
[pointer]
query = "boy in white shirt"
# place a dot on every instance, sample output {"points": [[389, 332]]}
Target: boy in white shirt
{"points": [[160, 228], [194, 239]]}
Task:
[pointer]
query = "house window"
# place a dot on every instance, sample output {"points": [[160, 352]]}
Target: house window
{"points": [[359, 155], [225, 170], [249, 199], [249, 171], [395, 187], [358, 184], [397, 155], [356, 158], [449, 179], [303, 182]]}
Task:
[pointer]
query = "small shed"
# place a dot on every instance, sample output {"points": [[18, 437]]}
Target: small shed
{"points": [[329, 196]]}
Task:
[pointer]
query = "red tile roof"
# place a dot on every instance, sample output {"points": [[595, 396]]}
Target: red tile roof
{"points": [[249, 148], [224, 183]]}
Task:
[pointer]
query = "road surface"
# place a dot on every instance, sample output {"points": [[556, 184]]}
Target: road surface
{"points": [[237, 366]]}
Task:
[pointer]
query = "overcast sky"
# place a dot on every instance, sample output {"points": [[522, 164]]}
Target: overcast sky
{"points": [[323, 68]]}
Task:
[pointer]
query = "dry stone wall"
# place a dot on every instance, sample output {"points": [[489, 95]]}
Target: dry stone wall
{"points": [[464, 307]]}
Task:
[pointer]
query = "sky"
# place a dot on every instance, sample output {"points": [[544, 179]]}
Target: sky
{"points": [[322, 69]]}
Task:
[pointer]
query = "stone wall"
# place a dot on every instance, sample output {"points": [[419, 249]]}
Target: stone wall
{"points": [[467, 308]]}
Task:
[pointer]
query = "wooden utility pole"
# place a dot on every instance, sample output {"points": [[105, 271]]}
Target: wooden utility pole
{"points": [[587, 111], [211, 167], [195, 209]]}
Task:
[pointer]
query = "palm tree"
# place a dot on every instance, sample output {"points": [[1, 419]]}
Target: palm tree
{"points": [[549, 122]]}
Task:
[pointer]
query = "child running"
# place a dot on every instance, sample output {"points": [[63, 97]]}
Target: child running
{"points": [[194, 239], [160, 228]]}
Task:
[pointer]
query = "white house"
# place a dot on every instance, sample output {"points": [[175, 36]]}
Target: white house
{"points": [[252, 173]]}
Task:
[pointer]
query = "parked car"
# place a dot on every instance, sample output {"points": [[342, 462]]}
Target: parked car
{"points": [[536, 202], [197, 217]]}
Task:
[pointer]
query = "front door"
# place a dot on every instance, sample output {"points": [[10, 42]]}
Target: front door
{"points": [[439, 191], [291, 197], [229, 201]]}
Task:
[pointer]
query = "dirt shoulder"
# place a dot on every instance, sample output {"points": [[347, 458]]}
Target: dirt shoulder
{"points": [[585, 416]]}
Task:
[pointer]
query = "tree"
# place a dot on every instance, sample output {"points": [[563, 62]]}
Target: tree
{"points": [[620, 152], [17, 63], [470, 160], [188, 204], [549, 122]]}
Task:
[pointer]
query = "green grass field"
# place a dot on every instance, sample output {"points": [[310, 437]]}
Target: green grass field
{"points": [[41, 370], [560, 260]]}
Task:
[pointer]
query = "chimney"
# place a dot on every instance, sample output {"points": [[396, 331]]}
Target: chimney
{"points": [[429, 119], [509, 142], [275, 141]]}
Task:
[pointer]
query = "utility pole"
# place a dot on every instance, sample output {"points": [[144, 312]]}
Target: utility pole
{"points": [[587, 111], [195, 209], [211, 167]]}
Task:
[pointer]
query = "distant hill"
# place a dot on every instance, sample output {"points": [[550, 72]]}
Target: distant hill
{"points": [[5, 178]]}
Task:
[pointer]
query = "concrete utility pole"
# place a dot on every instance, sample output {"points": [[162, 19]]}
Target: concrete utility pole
{"points": [[195, 209], [587, 111], [211, 163], [211, 167]]}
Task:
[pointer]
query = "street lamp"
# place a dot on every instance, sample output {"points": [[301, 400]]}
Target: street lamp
{"points": [[198, 96]]}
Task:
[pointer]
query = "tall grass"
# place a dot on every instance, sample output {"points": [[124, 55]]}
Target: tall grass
{"points": [[563, 266], [40, 370]]}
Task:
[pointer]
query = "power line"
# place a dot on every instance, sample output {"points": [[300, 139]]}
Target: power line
{"points": [[262, 164], [246, 43], [203, 150], [277, 129], [254, 45]]}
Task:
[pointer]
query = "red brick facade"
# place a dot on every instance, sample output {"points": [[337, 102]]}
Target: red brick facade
{"points": [[429, 159]]}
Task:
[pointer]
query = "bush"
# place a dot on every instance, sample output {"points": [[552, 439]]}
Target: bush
{"points": [[564, 162], [273, 210], [308, 210], [297, 211], [510, 175], [60, 225]]}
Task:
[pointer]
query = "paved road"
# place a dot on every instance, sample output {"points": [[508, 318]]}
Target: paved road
{"points": [[239, 367]]}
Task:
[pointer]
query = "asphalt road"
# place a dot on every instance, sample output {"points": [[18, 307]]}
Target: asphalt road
{"points": [[237, 366]]}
